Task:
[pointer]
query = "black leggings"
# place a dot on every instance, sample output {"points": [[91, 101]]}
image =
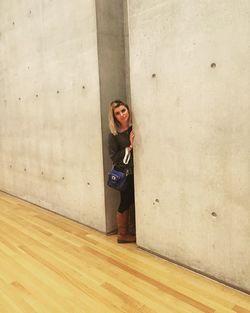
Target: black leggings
{"points": [[128, 195]]}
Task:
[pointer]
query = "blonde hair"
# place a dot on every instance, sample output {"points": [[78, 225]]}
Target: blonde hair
{"points": [[113, 123]]}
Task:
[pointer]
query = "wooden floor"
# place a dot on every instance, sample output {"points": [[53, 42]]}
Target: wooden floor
{"points": [[49, 264]]}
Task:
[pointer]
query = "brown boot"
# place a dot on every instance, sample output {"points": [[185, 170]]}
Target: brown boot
{"points": [[122, 224], [131, 221]]}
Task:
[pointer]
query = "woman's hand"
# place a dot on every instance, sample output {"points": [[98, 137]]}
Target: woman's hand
{"points": [[131, 138]]}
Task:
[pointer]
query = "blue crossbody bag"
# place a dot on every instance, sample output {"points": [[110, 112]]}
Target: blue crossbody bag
{"points": [[117, 179]]}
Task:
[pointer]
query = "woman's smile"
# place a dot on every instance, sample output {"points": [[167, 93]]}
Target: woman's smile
{"points": [[121, 114]]}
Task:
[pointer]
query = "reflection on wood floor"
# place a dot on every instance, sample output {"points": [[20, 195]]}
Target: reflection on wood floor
{"points": [[49, 264]]}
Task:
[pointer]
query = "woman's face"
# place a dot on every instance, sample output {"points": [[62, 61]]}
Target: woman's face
{"points": [[121, 114]]}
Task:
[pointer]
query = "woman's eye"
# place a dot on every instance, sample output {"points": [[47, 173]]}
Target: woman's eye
{"points": [[123, 110]]}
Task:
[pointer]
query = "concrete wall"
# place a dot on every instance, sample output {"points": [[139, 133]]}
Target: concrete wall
{"points": [[62, 62], [50, 130], [111, 52], [189, 67]]}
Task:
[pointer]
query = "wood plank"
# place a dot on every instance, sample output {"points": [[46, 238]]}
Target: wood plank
{"points": [[239, 309], [50, 264]]}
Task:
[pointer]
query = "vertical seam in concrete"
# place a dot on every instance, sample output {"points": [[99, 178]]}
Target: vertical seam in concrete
{"points": [[126, 51], [101, 23], [100, 96]]}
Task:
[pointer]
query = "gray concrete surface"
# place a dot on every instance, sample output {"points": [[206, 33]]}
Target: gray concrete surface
{"points": [[111, 53], [50, 130], [189, 69]]}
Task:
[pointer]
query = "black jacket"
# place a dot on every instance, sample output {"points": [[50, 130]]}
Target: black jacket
{"points": [[116, 146]]}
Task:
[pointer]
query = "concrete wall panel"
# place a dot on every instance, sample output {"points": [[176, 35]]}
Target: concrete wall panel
{"points": [[51, 144], [111, 52], [189, 68]]}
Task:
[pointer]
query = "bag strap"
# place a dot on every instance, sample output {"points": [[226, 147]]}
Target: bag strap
{"points": [[126, 156]]}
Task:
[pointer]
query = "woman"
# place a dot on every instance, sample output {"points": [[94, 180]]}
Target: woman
{"points": [[120, 143]]}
